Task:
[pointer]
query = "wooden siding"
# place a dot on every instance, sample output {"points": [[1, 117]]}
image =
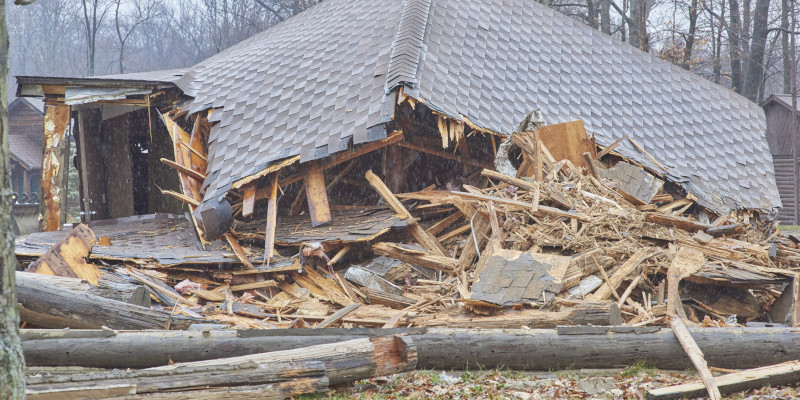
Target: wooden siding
{"points": [[779, 127], [784, 177]]}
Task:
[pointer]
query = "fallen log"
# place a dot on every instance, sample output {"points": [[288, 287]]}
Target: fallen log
{"points": [[49, 306], [273, 391], [534, 349], [107, 287], [182, 377]]}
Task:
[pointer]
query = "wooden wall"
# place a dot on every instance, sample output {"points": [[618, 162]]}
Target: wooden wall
{"points": [[779, 137]]}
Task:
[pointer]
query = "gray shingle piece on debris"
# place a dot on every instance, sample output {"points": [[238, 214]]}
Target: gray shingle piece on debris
{"points": [[319, 80]]}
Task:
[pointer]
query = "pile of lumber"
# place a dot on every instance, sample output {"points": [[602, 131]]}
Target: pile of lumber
{"points": [[551, 237], [569, 242]]}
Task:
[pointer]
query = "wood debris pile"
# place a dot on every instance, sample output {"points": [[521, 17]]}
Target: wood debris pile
{"points": [[556, 235], [583, 244]]}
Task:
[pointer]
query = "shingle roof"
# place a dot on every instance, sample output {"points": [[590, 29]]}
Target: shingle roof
{"points": [[26, 151], [316, 81]]}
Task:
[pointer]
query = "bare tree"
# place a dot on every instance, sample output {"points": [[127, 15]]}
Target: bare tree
{"points": [[94, 11], [125, 24], [757, 48]]}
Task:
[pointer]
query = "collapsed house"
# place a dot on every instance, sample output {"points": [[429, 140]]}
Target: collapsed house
{"points": [[342, 170]]}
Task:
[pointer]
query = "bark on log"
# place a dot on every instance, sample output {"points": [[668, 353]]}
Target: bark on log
{"points": [[582, 314], [219, 372], [274, 391], [108, 287], [50, 306], [535, 349]]}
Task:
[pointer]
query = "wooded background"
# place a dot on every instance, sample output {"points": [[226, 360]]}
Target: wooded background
{"points": [[743, 44]]}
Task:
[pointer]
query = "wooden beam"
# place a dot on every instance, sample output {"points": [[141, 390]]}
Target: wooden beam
{"points": [[199, 177], [318, 206], [249, 201], [540, 210], [696, 355], [774, 375], [55, 165], [611, 147], [239, 251], [272, 220], [426, 240], [339, 158], [337, 316], [182, 197], [622, 272]]}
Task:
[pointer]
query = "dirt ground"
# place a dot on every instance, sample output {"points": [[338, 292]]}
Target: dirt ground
{"points": [[630, 383]]}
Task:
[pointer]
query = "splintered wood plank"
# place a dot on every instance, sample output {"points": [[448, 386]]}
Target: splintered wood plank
{"points": [[774, 375], [520, 183], [254, 285], [317, 197], [696, 355], [68, 257], [675, 221], [568, 141], [272, 220], [686, 262], [337, 316], [416, 257], [321, 287], [184, 170], [426, 240], [239, 251], [539, 211], [622, 272], [55, 164], [249, 201]]}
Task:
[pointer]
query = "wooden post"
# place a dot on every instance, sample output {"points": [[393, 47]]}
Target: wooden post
{"points": [[538, 174], [272, 220], [316, 195], [55, 165]]}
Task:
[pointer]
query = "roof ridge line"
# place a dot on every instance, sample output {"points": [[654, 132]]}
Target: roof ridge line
{"points": [[407, 44]]}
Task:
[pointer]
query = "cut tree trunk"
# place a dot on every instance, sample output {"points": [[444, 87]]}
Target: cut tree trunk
{"points": [[213, 373], [530, 349], [109, 287], [50, 306]]}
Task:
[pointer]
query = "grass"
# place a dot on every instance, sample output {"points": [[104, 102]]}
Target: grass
{"points": [[636, 369]]}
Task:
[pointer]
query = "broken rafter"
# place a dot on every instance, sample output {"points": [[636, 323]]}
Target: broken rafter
{"points": [[184, 170], [426, 240]]}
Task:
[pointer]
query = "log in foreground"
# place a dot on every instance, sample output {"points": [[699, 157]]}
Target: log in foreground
{"points": [[107, 286], [534, 350], [50, 306], [182, 377], [337, 363]]}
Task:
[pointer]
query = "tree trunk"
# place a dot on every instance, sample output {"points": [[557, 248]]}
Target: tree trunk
{"points": [[690, 37], [786, 54], [735, 46], [755, 60], [437, 348], [605, 16], [12, 374]]}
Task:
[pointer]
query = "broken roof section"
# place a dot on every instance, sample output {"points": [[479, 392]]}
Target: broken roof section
{"points": [[323, 81], [314, 83]]}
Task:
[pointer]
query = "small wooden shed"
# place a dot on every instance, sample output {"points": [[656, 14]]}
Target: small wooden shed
{"points": [[780, 130]]}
